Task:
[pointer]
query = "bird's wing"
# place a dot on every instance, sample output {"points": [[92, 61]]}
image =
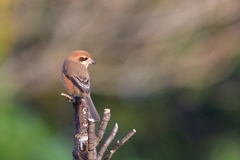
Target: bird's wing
{"points": [[78, 75], [82, 83]]}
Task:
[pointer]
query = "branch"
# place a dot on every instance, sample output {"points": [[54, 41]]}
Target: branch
{"points": [[103, 125], [70, 98], [107, 142], [119, 144], [80, 151], [85, 140], [91, 140]]}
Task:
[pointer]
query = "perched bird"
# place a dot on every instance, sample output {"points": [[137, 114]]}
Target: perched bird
{"points": [[75, 78]]}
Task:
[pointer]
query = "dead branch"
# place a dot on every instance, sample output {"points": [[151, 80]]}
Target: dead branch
{"points": [[85, 141], [107, 142], [119, 144], [91, 140], [81, 129], [80, 151], [103, 125]]}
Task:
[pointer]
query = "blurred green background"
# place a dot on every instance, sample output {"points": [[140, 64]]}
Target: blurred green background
{"points": [[169, 69]]}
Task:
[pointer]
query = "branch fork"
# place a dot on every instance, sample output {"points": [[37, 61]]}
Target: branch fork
{"points": [[86, 141]]}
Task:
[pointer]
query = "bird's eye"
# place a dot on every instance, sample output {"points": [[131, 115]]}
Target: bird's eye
{"points": [[81, 59]]}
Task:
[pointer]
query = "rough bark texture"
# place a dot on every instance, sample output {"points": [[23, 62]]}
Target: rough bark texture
{"points": [[91, 140], [80, 151]]}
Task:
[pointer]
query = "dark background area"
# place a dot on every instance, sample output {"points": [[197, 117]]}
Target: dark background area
{"points": [[169, 69]]}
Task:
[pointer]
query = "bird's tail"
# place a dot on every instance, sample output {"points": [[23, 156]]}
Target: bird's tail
{"points": [[93, 112]]}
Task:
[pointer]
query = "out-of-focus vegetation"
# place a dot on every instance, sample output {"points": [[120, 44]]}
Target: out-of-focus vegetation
{"points": [[169, 69]]}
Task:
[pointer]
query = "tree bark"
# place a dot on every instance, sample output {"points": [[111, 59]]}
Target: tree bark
{"points": [[80, 151]]}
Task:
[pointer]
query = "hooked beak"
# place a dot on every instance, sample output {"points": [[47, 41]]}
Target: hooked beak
{"points": [[93, 62]]}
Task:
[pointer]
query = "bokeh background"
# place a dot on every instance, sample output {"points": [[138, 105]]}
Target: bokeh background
{"points": [[170, 69]]}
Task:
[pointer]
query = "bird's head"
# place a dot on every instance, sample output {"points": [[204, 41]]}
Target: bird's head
{"points": [[82, 57]]}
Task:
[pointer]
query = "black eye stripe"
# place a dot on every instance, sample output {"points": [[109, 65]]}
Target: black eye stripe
{"points": [[82, 59]]}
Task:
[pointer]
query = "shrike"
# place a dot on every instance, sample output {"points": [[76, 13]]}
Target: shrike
{"points": [[75, 78]]}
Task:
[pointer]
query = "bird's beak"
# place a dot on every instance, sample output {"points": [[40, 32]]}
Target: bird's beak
{"points": [[93, 62]]}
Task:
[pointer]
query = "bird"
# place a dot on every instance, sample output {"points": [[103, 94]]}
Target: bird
{"points": [[75, 78]]}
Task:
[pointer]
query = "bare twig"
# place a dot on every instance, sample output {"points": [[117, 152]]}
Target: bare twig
{"points": [[107, 142], [70, 98], [119, 144], [91, 140], [103, 125]]}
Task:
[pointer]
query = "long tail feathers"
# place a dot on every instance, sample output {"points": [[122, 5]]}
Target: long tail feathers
{"points": [[93, 112]]}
